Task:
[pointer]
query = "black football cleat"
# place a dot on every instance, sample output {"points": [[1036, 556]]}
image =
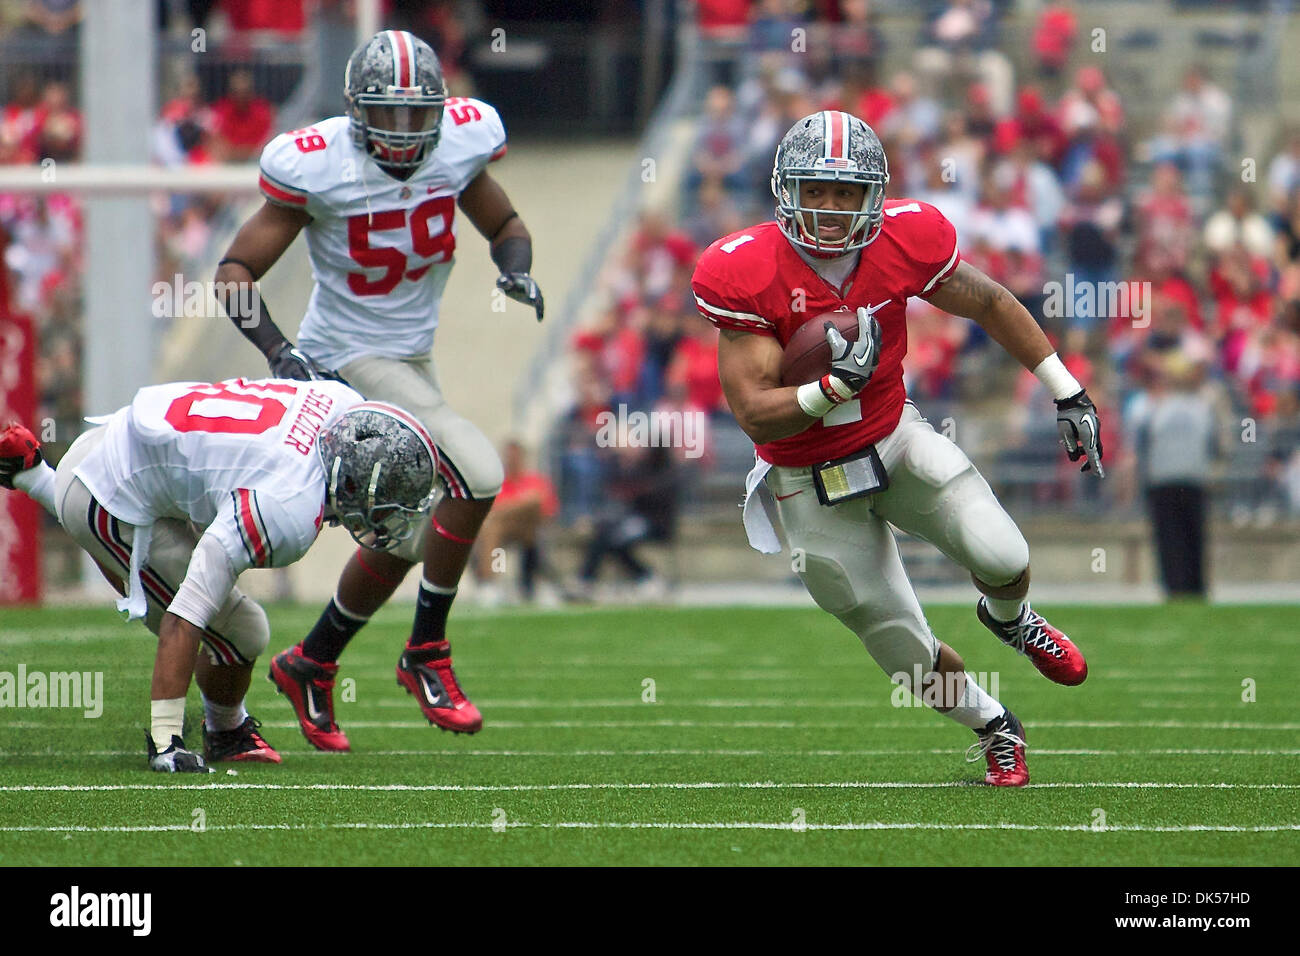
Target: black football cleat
{"points": [[175, 759], [242, 743]]}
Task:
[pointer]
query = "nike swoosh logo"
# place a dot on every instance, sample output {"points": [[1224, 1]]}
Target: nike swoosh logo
{"points": [[312, 710], [790, 495], [432, 692], [873, 309]]}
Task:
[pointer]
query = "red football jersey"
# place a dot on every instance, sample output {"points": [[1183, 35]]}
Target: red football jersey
{"points": [[755, 281]]}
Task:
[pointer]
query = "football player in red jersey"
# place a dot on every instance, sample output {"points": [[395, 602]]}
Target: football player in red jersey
{"points": [[848, 455]]}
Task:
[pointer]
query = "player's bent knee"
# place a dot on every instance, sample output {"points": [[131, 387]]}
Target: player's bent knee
{"points": [[1014, 590], [996, 552], [244, 625]]}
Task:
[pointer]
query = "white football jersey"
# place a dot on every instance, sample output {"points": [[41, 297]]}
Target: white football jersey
{"points": [[237, 458], [381, 248]]}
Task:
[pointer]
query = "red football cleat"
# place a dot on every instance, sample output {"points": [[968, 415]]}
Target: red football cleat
{"points": [[1002, 741], [19, 450], [242, 743], [309, 685], [1048, 649], [425, 671]]}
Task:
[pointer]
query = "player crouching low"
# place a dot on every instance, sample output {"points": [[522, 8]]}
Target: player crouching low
{"points": [[846, 455], [190, 485]]}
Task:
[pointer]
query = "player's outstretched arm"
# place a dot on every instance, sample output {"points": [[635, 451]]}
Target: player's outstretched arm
{"points": [[511, 246], [970, 293], [749, 367], [256, 247]]}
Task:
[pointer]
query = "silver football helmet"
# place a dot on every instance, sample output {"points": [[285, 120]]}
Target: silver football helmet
{"points": [[829, 146], [380, 467], [395, 93]]}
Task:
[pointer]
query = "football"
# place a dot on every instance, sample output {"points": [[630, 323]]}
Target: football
{"points": [[807, 356]]}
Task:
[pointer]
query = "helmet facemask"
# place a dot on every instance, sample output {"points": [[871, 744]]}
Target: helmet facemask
{"points": [[802, 223], [400, 130], [377, 527], [395, 95]]}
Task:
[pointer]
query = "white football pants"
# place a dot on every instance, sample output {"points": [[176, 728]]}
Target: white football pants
{"points": [[850, 561]]}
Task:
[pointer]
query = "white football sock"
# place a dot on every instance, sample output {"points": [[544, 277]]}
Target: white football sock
{"points": [[166, 717], [1004, 609], [977, 708], [38, 483], [221, 717]]}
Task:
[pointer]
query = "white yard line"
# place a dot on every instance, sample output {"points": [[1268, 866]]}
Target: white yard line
{"points": [[660, 825], [654, 785], [681, 752]]}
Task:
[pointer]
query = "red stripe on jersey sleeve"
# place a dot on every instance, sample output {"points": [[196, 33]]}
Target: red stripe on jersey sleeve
{"points": [[279, 194]]}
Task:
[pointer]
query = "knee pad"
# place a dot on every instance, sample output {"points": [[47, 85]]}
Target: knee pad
{"points": [[241, 627], [829, 584], [996, 552]]}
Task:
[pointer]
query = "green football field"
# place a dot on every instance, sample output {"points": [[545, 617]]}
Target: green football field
{"points": [[683, 736]]}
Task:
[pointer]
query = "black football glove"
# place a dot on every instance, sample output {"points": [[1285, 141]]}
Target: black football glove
{"points": [[1076, 417], [853, 363], [288, 361], [522, 287]]}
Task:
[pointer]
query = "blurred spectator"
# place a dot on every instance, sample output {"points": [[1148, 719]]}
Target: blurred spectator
{"points": [[524, 506], [180, 136], [1033, 185], [659, 260], [856, 38], [1054, 35], [52, 18], [914, 118], [1237, 222], [1091, 225], [1239, 283], [961, 154], [639, 505], [1175, 438], [694, 367], [20, 126], [59, 137], [241, 121], [285, 17], [1196, 128], [1033, 125], [1284, 172], [1165, 220], [712, 214], [1288, 232], [719, 153]]}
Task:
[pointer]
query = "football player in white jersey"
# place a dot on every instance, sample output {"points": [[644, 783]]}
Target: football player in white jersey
{"points": [[191, 484], [376, 192]]}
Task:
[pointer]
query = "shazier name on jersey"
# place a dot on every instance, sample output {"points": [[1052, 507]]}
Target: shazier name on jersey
{"points": [[754, 281], [380, 248]]}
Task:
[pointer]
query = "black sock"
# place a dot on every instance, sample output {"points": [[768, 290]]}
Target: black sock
{"points": [[528, 573], [331, 634], [431, 609]]}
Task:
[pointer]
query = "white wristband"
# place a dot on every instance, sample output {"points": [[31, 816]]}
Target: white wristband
{"points": [[812, 400], [1056, 378]]}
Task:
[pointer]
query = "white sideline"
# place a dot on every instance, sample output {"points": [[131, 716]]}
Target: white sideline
{"points": [[662, 825], [663, 785]]}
